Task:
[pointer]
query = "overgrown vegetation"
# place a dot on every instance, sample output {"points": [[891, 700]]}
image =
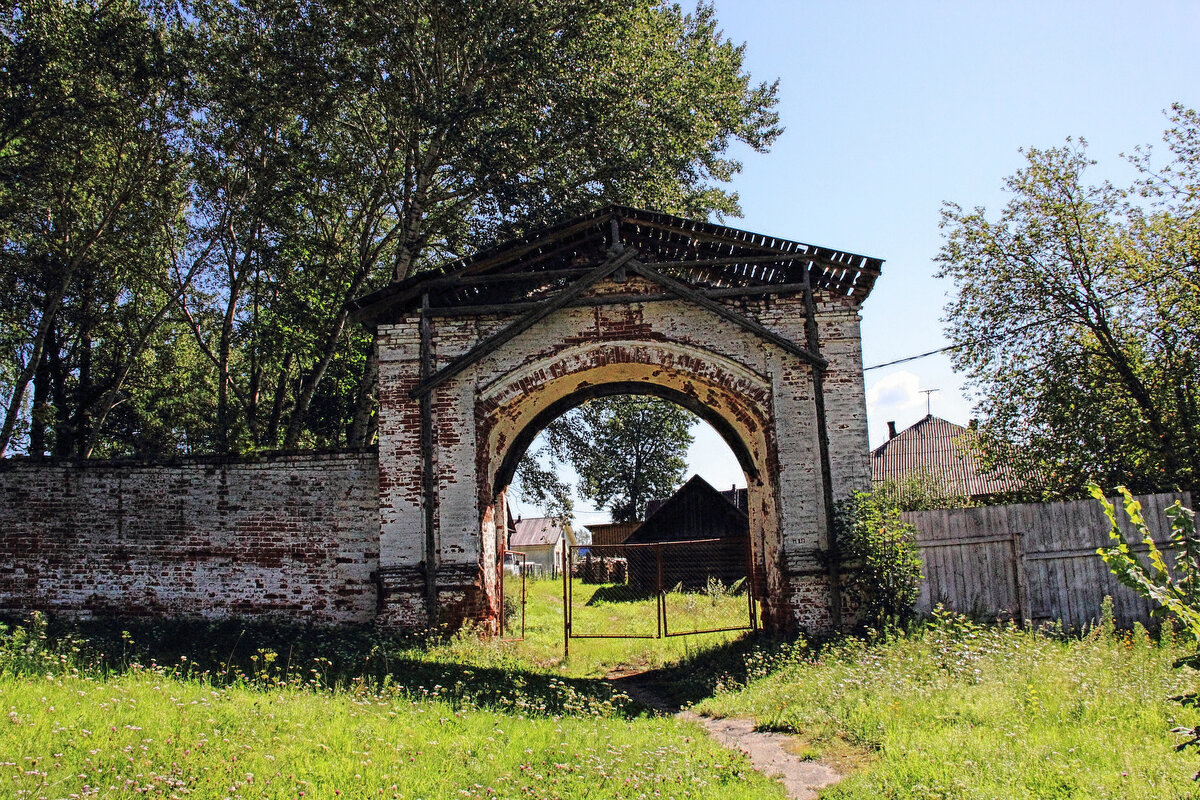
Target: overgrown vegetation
{"points": [[96, 711], [944, 709], [1076, 315], [880, 560], [922, 489], [954, 709], [193, 191], [1176, 596]]}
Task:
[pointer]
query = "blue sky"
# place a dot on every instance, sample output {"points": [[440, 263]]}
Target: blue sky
{"points": [[892, 108]]}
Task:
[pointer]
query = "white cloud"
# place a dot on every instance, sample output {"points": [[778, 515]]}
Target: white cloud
{"points": [[897, 391]]}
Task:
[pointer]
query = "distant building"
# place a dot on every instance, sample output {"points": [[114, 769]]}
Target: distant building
{"points": [[947, 453], [696, 512], [542, 540], [612, 532]]}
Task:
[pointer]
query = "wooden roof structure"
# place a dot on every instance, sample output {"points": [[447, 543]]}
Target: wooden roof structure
{"points": [[718, 261], [943, 450], [695, 511]]}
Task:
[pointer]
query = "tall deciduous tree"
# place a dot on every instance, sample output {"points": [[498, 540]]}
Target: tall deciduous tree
{"points": [[91, 207], [626, 450], [1078, 318], [205, 191]]}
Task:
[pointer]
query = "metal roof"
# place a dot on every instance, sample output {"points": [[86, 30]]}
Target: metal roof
{"points": [[536, 531], [612, 532], [944, 450], [539, 265]]}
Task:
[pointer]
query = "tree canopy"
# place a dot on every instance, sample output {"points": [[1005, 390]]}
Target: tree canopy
{"points": [[627, 450], [1077, 317], [192, 192]]}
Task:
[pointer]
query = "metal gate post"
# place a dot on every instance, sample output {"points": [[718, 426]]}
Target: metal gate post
{"points": [[566, 559], [662, 598]]}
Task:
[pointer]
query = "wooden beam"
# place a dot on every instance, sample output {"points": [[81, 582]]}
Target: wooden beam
{"points": [[526, 322], [467, 281], [694, 296], [818, 378], [428, 484], [616, 299], [732, 261]]}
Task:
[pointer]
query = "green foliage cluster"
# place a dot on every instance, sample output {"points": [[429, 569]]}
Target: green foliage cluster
{"points": [[880, 563], [193, 191], [954, 709], [626, 450], [1175, 593], [922, 489], [1077, 317]]}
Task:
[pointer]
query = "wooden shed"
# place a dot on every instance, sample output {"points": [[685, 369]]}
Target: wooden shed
{"points": [[697, 513]]}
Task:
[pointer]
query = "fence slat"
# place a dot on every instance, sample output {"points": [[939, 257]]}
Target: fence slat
{"points": [[1034, 560]]}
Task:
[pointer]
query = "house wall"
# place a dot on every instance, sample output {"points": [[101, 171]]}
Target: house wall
{"points": [[547, 557], [292, 537], [762, 393]]}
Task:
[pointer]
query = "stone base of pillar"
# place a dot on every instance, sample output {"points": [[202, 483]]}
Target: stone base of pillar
{"points": [[461, 599]]}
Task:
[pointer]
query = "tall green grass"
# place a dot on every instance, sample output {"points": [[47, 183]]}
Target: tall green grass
{"points": [[959, 710], [90, 714], [950, 709]]}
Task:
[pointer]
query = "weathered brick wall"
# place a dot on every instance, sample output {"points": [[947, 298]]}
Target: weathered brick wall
{"points": [[764, 395], [294, 537]]}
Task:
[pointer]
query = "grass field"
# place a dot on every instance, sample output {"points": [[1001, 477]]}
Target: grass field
{"points": [[959, 710], [543, 646], [950, 710], [280, 713]]}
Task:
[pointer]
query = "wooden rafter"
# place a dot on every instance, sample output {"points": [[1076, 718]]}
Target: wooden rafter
{"points": [[526, 322], [687, 293]]}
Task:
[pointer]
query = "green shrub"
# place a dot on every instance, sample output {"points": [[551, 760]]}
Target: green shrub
{"points": [[881, 568], [1175, 595]]}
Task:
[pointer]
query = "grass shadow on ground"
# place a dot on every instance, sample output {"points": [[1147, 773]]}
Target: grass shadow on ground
{"points": [[701, 674], [275, 655], [618, 593]]}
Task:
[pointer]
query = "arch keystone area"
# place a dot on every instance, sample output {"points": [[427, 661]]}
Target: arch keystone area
{"points": [[757, 335]]}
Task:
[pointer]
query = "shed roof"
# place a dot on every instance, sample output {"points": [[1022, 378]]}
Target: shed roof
{"points": [[533, 267], [537, 531], [943, 449], [695, 511]]}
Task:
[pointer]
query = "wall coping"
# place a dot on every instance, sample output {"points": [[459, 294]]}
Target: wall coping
{"points": [[199, 460]]}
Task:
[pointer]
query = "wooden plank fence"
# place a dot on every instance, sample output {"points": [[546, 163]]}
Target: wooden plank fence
{"points": [[1033, 562]]}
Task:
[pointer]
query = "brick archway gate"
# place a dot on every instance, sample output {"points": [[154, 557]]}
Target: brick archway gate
{"points": [[757, 335]]}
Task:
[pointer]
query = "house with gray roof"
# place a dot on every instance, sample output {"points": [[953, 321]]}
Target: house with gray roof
{"points": [[542, 540], [946, 452]]}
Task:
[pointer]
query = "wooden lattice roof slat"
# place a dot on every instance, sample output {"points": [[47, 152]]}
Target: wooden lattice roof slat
{"points": [[698, 253]]}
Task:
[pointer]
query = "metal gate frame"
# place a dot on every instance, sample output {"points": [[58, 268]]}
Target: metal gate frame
{"points": [[524, 571], [660, 596]]}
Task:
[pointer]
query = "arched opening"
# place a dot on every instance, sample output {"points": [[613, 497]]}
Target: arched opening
{"points": [[723, 428], [662, 551], [702, 564]]}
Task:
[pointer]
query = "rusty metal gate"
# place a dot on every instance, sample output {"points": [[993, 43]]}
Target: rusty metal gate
{"points": [[657, 589], [514, 576]]}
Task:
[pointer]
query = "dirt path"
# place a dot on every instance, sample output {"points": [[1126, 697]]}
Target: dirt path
{"points": [[768, 752]]}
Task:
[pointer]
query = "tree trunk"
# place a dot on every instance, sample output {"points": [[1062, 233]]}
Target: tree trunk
{"points": [[26, 375], [364, 406]]}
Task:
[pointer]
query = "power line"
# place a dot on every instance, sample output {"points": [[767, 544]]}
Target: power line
{"points": [[1036, 323], [914, 358]]}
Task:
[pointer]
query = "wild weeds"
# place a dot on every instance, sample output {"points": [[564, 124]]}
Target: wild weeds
{"points": [[955, 709]]}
